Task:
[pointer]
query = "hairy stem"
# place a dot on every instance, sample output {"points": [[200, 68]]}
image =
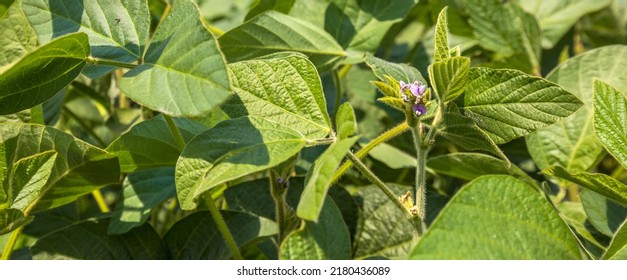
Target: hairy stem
{"points": [[180, 142], [85, 127], [8, 248], [224, 230], [279, 205]]}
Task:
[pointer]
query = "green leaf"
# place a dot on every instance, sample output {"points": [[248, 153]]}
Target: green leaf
{"points": [[252, 197], [575, 216], [18, 37], [180, 81], [89, 241], [463, 132], [272, 32], [196, 237], [398, 71], [469, 166], [392, 157], [28, 177], [604, 214], [141, 191], [79, 168], [318, 179], [383, 230], [345, 121], [572, 142], [230, 150], [260, 6], [150, 144], [284, 90], [117, 30], [557, 17], [600, 183], [327, 239], [491, 213], [610, 120], [618, 248], [441, 49], [11, 219], [449, 76], [508, 104], [42, 73]]}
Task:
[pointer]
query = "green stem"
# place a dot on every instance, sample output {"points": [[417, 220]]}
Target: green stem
{"points": [[8, 248], [180, 142], [37, 114], [279, 205], [85, 127], [102, 204], [98, 61], [375, 180], [322, 141], [344, 70], [386, 136], [224, 230], [337, 82]]}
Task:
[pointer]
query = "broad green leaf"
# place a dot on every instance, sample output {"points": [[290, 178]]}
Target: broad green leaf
{"points": [[345, 121], [327, 239], [18, 37], [89, 241], [392, 157], [42, 73], [383, 230], [398, 71], [604, 214], [117, 29], [600, 183], [141, 191], [284, 90], [572, 142], [252, 197], [79, 168], [150, 144], [272, 32], [260, 6], [618, 248], [469, 166], [230, 150], [508, 104], [463, 132], [11, 219], [318, 179], [491, 213], [558, 16], [449, 76], [610, 120], [28, 177], [575, 216], [180, 81], [196, 237], [441, 51]]}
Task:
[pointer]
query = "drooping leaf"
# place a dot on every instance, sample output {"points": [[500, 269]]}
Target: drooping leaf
{"points": [[272, 32], [383, 229], [600, 183], [318, 179], [11, 219], [196, 237], [28, 178], [260, 6], [141, 191], [441, 51], [508, 104], [610, 120], [490, 214], [462, 131], [557, 17], [398, 71], [469, 166], [618, 248], [571, 142], [284, 90], [603, 213], [327, 239], [150, 144], [89, 241], [449, 76], [345, 121], [180, 81], [18, 37], [40, 74], [79, 168], [117, 30], [230, 150]]}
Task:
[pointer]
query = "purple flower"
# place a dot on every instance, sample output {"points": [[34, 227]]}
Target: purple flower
{"points": [[417, 88], [419, 109]]}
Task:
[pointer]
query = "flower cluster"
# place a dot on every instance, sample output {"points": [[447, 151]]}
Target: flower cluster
{"points": [[416, 94]]}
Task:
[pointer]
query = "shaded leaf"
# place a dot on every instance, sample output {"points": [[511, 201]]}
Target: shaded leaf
{"points": [[28, 178], [252, 197], [600, 183], [610, 120], [260, 6], [604, 214], [11, 219], [491, 213], [618, 248]]}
